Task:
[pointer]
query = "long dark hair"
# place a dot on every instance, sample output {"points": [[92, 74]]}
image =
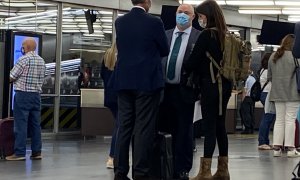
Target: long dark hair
{"points": [[287, 44], [215, 18], [265, 60]]}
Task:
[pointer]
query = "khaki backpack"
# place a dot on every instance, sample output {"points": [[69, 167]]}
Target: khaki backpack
{"points": [[235, 64]]}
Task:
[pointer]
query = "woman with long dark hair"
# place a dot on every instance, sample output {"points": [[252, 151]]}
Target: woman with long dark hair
{"points": [[211, 40]]}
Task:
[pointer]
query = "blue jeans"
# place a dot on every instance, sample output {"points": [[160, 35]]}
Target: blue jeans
{"points": [[27, 117], [265, 124]]}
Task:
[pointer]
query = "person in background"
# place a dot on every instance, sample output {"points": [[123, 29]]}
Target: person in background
{"points": [[110, 96], [178, 104], [267, 118], [247, 106], [211, 40], [28, 76], [281, 72], [138, 78]]}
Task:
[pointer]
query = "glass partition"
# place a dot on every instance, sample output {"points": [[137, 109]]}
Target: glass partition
{"points": [[87, 33], [30, 18]]}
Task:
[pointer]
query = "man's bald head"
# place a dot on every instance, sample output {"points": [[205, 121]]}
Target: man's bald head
{"points": [[29, 44], [188, 10]]}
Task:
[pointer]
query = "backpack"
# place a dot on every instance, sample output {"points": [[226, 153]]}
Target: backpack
{"points": [[256, 89], [236, 59], [234, 65]]}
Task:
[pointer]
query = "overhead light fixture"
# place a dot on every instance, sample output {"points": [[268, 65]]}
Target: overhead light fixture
{"points": [[88, 50], [7, 14], [93, 35], [18, 4], [287, 3], [294, 18], [106, 20], [105, 12], [196, 2], [250, 3], [108, 32], [35, 14], [291, 11], [259, 11]]}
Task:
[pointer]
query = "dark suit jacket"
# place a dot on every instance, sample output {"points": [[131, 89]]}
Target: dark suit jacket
{"points": [[188, 94], [296, 49], [141, 42], [192, 40]]}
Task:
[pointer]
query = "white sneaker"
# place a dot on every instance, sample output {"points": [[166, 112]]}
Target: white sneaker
{"points": [[277, 153], [110, 163], [293, 153]]}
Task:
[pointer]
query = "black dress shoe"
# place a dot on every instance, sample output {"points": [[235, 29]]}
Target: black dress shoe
{"points": [[247, 131], [121, 177], [143, 178], [184, 175]]}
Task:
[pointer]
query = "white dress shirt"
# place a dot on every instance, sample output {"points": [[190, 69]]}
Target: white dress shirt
{"points": [[185, 38]]}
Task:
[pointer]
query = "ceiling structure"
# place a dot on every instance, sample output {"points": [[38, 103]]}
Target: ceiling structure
{"points": [[291, 8], [37, 16]]}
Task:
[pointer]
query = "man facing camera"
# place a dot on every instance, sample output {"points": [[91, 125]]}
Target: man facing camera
{"points": [[177, 108], [138, 79], [28, 77]]}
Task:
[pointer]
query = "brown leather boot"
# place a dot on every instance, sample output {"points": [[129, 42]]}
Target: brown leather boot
{"points": [[222, 172], [205, 170]]}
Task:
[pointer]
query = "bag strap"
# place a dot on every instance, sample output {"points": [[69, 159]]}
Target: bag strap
{"points": [[296, 62], [266, 83], [296, 66], [219, 79]]}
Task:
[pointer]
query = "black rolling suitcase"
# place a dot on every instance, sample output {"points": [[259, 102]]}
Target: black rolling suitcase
{"points": [[6, 137], [162, 160]]}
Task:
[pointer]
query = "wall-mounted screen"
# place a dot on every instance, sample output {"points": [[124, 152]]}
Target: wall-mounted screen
{"points": [[18, 39], [272, 32]]}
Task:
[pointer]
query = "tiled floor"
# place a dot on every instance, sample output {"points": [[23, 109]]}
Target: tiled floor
{"points": [[79, 160]]}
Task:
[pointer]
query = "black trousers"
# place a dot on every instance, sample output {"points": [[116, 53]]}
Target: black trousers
{"points": [[213, 123], [247, 113], [137, 113], [176, 117]]}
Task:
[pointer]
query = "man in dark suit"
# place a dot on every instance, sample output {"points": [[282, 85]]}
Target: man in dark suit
{"points": [[138, 78], [177, 108]]}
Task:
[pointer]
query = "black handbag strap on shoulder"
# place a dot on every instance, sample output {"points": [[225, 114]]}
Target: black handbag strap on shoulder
{"points": [[296, 62]]}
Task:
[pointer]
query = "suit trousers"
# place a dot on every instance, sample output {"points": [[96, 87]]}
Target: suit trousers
{"points": [[137, 111], [247, 113], [176, 117]]}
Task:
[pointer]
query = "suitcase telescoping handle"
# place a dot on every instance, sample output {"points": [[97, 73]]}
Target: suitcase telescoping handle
{"points": [[9, 99]]}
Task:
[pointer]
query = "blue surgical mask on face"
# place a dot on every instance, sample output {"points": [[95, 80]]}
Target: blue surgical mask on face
{"points": [[182, 19]]}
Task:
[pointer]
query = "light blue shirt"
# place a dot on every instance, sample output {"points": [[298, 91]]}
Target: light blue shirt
{"points": [[184, 42]]}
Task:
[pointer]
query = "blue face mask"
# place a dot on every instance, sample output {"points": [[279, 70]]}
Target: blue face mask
{"points": [[182, 19]]}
